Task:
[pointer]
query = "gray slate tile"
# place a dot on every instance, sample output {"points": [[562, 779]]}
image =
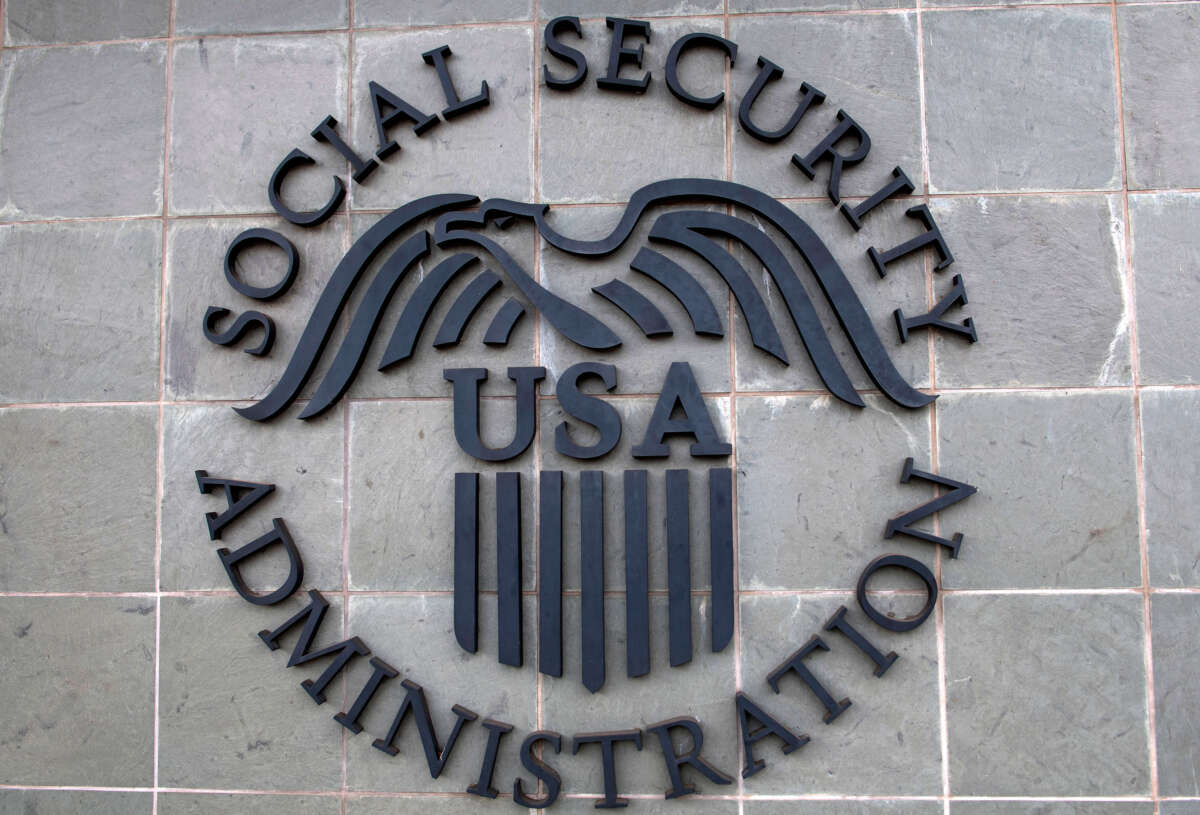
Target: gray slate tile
{"points": [[1038, 109], [641, 362], [1045, 283], [31, 22], [782, 6], [232, 716], [814, 525], [886, 742], [1171, 455], [302, 459], [83, 131], [403, 457], [82, 311], [1179, 807], [239, 106], [1166, 251], [432, 804], [1067, 461], [880, 92], [210, 804], [905, 288], [198, 369], [655, 804], [1159, 70], [645, 138], [845, 807], [225, 17], [635, 9], [415, 635], [1063, 713], [1055, 808], [79, 686], [487, 152], [635, 415], [1176, 690], [440, 12], [77, 498], [69, 802], [422, 373], [703, 689]]}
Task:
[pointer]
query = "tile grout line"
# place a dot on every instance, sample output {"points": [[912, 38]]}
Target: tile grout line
{"points": [[733, 397], [934, 450], [1138, 429], [1064, 390], [518, 22], [814, 797], [160, 466], [799, 592], [346, 242], [536, 184], [939, 195]]}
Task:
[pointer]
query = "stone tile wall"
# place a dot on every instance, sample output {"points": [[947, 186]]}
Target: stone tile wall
{"points": [[1056, 145]]}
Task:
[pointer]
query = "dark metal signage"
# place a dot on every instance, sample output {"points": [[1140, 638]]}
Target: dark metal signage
{"points": [[450, 231]]}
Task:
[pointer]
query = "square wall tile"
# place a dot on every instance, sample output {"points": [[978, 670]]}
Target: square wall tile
{"points": [[904, 288], [1159, 69], [487, 152], [635, 415], [444, 804], [199, 369], [231, 714], [81, 305], [77, 498], [817, 481], [857, 807], [866, 65], [599, 145], [1179, 807], [69, 802], [403, 457], [416, 13], [1067, 461], [31, 22], [79, 687], [1176, 690], [421, 373], [886, 743], [1171, 456], [1037, 111], [210, 804], [1051, 808], [1045, 283], [642, 362], [1166, 252], [304, 462], [782, 6], [415, 635], [652, 805], [83, 131], [1063, 713], [636, 9], [225, 17], [239, 106], [703, 689]]}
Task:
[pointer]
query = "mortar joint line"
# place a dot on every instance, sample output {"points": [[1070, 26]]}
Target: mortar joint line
{"points": [[536, 183], [346, 241], [1138, 428], [733, 428], [160, 441]]}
